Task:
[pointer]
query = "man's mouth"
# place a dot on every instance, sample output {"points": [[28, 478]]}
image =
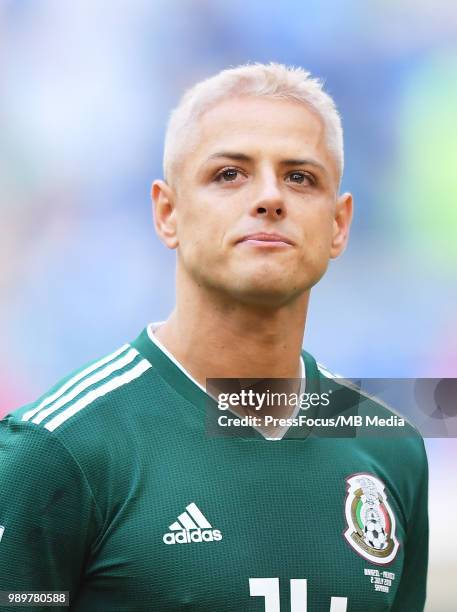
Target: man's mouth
{"points": [[266, 240]]}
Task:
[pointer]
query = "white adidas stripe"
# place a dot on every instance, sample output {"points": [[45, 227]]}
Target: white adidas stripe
{"points": [[198, 516], [186, 522], [61, 390], [91, 396], [117, 364], [176, 526]]}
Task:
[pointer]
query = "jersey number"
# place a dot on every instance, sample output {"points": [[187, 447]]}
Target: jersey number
{"points": [[269, 589]]}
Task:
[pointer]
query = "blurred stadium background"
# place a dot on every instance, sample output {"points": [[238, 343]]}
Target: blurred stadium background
{"points": [[86, 88]]}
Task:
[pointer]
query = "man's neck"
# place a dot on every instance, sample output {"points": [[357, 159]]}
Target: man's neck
{"points": [[215, 337]]}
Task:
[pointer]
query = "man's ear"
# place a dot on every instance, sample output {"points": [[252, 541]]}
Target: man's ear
{"points": [[164, 210], [341, 224]]}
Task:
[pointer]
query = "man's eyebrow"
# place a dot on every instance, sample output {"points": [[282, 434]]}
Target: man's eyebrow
{"points": [[303, 162], [230, 155], [285, 162]]}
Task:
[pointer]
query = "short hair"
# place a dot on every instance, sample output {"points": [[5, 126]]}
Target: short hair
{"points": [[271, 80]]}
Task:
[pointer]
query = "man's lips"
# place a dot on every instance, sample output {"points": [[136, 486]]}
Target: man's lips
{"points": [[266, 239]]}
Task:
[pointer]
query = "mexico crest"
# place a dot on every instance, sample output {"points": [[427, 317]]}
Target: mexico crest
{"points": [[370, 519]]}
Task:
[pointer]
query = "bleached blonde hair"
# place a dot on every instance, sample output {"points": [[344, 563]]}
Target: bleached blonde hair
{"points": [[271, 80]]}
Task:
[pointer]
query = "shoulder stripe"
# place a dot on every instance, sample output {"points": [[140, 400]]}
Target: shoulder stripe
{"points": [[117, 364], [61, 390], [345, 382], [326, 372], [114, 383]]}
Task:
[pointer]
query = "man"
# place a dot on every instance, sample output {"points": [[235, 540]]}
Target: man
{"points": [[111, 486]]}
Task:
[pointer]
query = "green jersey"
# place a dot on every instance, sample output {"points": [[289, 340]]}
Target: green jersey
{"points": [[111, 489]]}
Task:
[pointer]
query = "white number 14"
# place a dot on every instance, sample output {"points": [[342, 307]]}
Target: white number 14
{"points": [[269, 588]]}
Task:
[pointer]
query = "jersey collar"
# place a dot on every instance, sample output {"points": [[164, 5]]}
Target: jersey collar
{"points": [[181, 380]]}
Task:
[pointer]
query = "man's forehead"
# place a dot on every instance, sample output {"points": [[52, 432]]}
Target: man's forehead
{"points": [[248, 128], [242, 116]]}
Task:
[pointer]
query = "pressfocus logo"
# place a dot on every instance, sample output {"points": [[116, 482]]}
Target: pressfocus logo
{"points": [[332, 407]]}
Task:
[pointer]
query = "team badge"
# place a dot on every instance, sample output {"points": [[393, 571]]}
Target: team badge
{"points": [[370, 519]]}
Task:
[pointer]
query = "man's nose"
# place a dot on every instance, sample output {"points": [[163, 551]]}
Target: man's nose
{"points": [[268, 198]]}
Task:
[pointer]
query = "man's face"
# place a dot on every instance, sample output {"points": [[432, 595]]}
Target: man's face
{"points": [[256, 201]]}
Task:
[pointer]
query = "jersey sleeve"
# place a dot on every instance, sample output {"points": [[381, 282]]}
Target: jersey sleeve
{"points": [[411, 592], [47, 511]]}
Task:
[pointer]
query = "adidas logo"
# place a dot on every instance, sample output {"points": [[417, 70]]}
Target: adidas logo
{"points": [[191, 526]]}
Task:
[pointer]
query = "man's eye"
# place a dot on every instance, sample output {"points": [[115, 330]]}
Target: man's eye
{"points": [[301, 177], [228, 175]]}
